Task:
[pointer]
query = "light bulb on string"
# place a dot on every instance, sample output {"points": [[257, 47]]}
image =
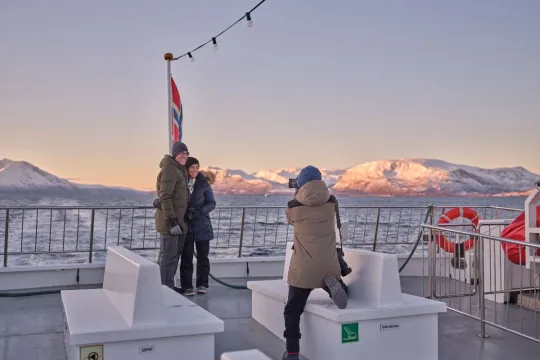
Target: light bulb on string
{"points": [[249, 21], [191, 57], [214, 41]]}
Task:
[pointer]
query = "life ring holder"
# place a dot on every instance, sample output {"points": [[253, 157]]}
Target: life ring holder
{"points": [[453, 214]]}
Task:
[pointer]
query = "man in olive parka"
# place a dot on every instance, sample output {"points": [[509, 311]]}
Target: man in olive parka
{"points": [[173, 196]]}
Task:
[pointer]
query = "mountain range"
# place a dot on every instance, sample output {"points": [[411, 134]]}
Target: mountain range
{"points": [[405, 177]]}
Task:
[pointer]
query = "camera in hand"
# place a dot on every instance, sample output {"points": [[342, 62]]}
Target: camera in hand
{"points": [[345, 269], [293, 184]]}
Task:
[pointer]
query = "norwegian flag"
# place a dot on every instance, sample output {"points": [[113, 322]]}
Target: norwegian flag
{"points": [[177, 113]]}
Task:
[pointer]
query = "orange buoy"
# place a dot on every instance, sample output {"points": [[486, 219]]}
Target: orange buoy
{"points": [[453, 214]]}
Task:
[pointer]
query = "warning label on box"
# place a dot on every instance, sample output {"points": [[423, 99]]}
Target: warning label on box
{"points": [[93, 352]]}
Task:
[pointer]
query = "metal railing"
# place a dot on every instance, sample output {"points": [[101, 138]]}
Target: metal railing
{"points": [[485, 285], [52, 235]]}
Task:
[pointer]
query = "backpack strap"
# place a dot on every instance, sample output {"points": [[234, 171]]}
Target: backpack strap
{"points": [[294, 203], [338, 218]]}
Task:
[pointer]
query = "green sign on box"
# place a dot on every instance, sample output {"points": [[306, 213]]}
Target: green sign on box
{"points": [[349, 333]]}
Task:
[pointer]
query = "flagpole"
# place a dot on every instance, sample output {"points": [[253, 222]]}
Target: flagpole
{"points": [[168, 58]]}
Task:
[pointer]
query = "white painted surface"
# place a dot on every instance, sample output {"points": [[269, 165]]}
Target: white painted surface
{"points": [[47, 276], [261, 266], [133, 286], [374, 278], [177, 348], [40, 277], [383, 314], [531, 231], [244, 355], [134, 311], [319, 303], [500, 274]]}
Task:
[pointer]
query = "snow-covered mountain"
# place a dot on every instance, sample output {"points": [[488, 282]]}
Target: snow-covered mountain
{"points": [[282, 176], [432, 177], [20, 175], [239, 182], [413, 177]]}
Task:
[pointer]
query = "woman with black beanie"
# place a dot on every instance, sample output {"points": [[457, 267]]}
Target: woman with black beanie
{"points": [[201, 203]]}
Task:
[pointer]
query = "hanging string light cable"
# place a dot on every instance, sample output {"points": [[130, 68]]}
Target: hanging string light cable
{"points": [[213, 40]]}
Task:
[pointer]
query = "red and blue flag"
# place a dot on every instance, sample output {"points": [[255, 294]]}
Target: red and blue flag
{"points": [[177, 113]]}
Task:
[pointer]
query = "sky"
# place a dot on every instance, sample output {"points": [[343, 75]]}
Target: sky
{"points": [[330, 83]]}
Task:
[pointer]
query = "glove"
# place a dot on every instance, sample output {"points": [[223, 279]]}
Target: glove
{"points": [[175, 227], [157, 204], [176, 230]]}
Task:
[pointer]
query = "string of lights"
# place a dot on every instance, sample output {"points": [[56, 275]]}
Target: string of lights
{"points": [[213, 40]]}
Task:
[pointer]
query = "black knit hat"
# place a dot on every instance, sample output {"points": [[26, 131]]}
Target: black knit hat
{"points": [[191, 161], [179, 147]]}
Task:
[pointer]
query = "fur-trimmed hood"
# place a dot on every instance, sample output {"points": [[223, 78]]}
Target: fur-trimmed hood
{"points": [[209, 176]]}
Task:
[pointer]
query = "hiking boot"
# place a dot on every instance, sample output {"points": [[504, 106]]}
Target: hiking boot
{"points": [[292, 356], [188, 292], [202, 290], [337, 293]]}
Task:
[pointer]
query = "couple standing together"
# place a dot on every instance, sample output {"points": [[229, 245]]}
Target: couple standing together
{"points": [[185, 200]]}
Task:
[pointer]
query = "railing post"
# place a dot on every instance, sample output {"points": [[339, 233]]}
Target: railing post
{"points": [[431, 264], [91, 236], [6, 237], [481, 296], [376, 229], [242, 232]]}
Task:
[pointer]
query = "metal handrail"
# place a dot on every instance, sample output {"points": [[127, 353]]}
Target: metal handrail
{"points": [[475, 234], [379, 227], [513, 278], [147, 207]]}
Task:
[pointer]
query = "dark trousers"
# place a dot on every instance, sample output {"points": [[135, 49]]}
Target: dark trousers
{"points": [[186, 263], [293, 309], [170, 249]]}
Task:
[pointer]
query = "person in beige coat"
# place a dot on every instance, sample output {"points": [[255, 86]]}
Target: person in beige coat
{"points": [[314, 261]]}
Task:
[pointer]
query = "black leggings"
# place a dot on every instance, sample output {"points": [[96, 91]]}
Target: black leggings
{"points": [[186, 263], [293, 309]]}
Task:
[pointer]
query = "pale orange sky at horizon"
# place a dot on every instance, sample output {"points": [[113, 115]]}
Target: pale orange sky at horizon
{"points": [[143, 177]]}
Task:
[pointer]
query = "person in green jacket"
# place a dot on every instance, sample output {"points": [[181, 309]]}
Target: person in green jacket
{"points": [[172, 204]]}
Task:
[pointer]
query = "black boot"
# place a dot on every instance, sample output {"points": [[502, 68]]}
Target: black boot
{"points": [[292, 356]]}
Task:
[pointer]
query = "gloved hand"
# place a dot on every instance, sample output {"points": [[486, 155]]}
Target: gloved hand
{"points": [[190, 212], [176, 230], [175, 227]]}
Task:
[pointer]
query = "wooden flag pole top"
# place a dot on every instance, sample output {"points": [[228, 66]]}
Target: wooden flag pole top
{"points": [[168, 56]]}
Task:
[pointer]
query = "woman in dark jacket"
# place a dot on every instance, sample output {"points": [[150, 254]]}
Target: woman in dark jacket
{"points": [[201, 203]]}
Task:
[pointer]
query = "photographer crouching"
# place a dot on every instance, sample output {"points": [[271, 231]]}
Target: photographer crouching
{"points": [[314, 261]]}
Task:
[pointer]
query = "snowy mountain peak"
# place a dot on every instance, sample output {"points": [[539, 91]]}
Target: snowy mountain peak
{"points": [[406, 177], [282, 176], [432, 177], [22, 175]]}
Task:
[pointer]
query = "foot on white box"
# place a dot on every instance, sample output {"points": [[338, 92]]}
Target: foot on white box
{"points": [[337, 293]]}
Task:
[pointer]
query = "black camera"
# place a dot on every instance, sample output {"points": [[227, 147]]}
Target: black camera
{"points": [[293, 184], [345, 269]]}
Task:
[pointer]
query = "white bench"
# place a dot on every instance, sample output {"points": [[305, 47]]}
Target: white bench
{"points": [[133, 314], [379, 322], [244, 355]]}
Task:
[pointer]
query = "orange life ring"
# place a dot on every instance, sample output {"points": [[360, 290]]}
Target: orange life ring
{"points": [[450, 215]]}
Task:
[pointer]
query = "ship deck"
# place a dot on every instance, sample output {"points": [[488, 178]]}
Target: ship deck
{"points": [[32, 328]]}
